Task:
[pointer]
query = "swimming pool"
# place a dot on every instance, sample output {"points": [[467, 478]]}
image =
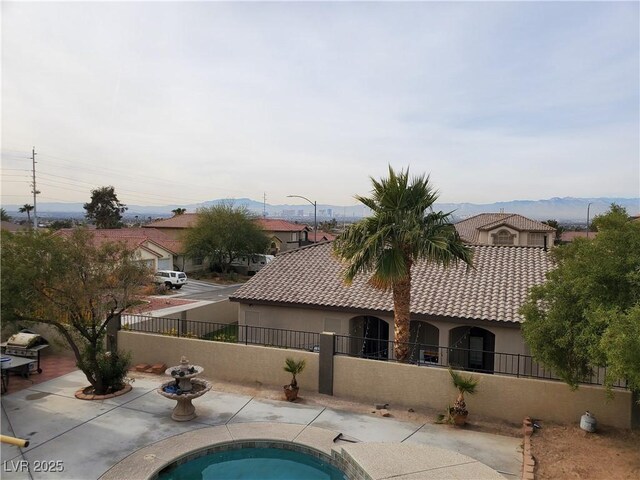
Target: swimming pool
{"points": [[254, 464]]}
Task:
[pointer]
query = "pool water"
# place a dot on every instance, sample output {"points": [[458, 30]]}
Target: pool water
{"points": [[254, 464]]}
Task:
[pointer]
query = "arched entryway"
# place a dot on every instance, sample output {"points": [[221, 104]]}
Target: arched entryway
{"points": [[472, 348], [372, 337], [424, 339]]}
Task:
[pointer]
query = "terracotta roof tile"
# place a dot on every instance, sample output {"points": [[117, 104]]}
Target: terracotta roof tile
{"points": [[131, 237], [494, 290], [470, 228], [186, 220], [275, 225]]}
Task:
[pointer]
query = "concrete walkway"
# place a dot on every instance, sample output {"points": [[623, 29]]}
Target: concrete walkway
{"points": [[74, 439]]}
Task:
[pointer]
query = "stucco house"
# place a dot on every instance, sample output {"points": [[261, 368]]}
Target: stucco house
{"points": [[153, 247], [469, 313], [505, 229], [283, 235]]}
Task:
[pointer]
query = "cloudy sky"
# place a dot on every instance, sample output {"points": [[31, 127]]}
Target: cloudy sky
{"points": [[186, 102]]}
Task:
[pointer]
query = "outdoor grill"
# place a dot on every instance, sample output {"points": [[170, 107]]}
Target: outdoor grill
{"points": [[25, 344]]}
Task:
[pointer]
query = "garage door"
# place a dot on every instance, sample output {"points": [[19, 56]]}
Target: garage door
{"points": [[165, 264]]}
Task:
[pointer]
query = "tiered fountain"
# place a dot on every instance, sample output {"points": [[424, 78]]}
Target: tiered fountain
{"points": [[183, 388]]}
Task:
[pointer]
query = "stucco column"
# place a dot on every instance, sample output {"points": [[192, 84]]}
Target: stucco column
{"points": [[443, 343], [182, 327], [325, 363]]}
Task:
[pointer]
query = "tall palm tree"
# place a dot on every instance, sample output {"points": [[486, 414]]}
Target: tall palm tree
{"points": [[26, 208], [402, 229]]}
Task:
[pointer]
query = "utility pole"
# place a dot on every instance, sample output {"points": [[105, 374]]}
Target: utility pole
{"points": [[264, 205], [35, 190]]}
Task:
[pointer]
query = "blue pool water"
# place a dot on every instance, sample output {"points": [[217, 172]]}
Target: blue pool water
{"points": [[254, 464]]}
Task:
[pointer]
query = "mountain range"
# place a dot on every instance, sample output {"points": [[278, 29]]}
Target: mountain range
{"points": [[567, 209]]}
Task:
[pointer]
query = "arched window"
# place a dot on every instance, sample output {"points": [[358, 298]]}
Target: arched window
{"points": [[503, 237]]}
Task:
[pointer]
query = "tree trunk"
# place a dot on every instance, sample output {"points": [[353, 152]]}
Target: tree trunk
{"points": [[401, 316]]}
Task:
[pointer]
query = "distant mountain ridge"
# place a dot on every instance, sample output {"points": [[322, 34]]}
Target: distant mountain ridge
{"points": [[567, 209]]}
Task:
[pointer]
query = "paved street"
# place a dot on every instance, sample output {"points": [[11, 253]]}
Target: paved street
{"points": [[199, 290]]}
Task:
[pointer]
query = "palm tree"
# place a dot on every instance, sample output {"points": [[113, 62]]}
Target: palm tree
{"points": [[402, 229], [294, 368], [26, 208], [464, 385], [178, 211], [4, 216]]}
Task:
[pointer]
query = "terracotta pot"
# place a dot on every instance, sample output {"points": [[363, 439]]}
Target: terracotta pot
{"points": [[291, 392], [459, 420]]}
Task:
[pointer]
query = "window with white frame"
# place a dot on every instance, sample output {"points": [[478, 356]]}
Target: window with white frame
{"points": [[536, 239]]}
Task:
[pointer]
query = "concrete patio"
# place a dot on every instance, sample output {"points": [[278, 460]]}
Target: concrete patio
{"points": [[90, 437]]}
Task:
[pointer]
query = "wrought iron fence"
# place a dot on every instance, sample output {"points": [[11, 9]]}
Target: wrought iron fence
{"points": [[222, 332], [481, 361]]}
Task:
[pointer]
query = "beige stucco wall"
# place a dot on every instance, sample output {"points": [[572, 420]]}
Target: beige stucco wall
{"points": [[521, 238], [225, 361], [502, 397], [402, 386]]}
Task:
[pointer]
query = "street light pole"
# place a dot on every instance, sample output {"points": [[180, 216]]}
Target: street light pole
{"points": [[315, 217], [588, 207]]}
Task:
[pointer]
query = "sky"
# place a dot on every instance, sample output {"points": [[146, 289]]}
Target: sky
{"points": [[179, 103]]}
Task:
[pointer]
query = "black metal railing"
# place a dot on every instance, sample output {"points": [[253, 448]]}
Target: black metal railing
{"points": [[481, 361], [222, 332]]}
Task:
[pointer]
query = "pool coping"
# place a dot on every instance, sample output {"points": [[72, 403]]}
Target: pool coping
{"points": [[358, 461]]}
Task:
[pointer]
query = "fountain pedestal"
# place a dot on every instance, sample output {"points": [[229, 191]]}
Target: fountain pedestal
{"points": [[184, 388]]}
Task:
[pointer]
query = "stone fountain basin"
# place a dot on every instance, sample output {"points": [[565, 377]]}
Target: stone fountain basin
{"points": [[200, 387], [198, 370]]}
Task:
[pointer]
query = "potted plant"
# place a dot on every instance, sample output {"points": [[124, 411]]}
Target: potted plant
{"points": [[294, 368], [465, 384]]}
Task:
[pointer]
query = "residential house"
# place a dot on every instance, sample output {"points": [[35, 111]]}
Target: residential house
{"points": [[505, 229], [472, 310], [175, 226], [153, 247], [284, 235]]}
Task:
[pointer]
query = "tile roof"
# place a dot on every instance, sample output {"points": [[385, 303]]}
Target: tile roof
{"points": [[470, 228], [571, 236], [321, 236], [186, 220], [131, 237], [494, 290], [275, 225]]}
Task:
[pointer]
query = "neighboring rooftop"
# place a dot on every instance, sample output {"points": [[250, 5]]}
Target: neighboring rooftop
{"points": [[321, 236], [571, 236], [185, 220], [275, 225], [131, 237], [494, 290], [470, 228], [188, 220]]}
